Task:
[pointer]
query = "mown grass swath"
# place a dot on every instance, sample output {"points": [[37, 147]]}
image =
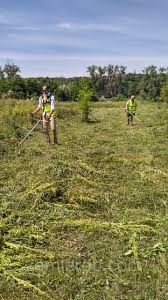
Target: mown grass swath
{"points": [[86, 219]]}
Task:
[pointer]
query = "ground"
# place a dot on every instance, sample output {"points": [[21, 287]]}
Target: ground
{"points": [[85, 219]]}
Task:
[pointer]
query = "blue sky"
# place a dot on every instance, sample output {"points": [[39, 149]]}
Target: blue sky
{"points": [[62, 38]]}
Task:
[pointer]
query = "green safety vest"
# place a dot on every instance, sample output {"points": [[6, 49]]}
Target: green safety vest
{"points": [[132, 106]]}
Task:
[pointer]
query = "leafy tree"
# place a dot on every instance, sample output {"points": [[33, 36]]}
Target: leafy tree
{"points": [[150, 86], [107, 80], [3, 87], [1, 73], [33, 87], [64, 92], [101, 80], [17, 86], [92, 70], [164, 92], [74, 88], [10, 70]]}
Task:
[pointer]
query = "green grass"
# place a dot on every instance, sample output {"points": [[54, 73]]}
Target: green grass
{"points": [[85, 219]]}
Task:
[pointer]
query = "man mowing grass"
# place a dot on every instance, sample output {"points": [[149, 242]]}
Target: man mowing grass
{"points": [[47, 104], [130, 108]]}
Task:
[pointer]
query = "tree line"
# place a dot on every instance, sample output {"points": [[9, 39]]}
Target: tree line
{"points": [[105, 82]]}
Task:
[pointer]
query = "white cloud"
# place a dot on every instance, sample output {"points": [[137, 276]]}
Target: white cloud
{"points": [[26, 28], [63, 26], [70, 27], [130, 27], [48, 40], [89, 26]]}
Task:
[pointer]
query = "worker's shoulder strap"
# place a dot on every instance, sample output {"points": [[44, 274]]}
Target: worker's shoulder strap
{"points": [[49, 96]]}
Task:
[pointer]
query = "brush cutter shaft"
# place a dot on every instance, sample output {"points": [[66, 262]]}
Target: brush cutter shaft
{"points": [[29, 132], [134, 116]]}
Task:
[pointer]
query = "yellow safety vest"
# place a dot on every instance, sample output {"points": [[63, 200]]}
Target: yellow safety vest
{"points": [[132, 105], [46, 104]]}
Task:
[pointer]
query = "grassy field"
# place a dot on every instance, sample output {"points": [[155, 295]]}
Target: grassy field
{"points": [[85, 219]]}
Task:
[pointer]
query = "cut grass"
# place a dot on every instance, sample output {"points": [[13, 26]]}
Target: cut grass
{"points": [[86, 219]]}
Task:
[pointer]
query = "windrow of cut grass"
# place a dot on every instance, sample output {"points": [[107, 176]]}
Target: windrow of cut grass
{"points": [[85, 219]]}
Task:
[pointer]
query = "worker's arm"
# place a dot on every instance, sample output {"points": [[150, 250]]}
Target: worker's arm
{"points": [[35, 111], [38, 107], [126, 107], [52, 106]]}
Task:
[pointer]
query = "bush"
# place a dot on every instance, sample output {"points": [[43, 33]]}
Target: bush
{"points": [[84, 104], [164, 92], [119, 98]]}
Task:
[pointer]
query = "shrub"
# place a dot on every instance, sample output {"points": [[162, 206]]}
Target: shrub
{"points": [[164, 92], [84, 97]]}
